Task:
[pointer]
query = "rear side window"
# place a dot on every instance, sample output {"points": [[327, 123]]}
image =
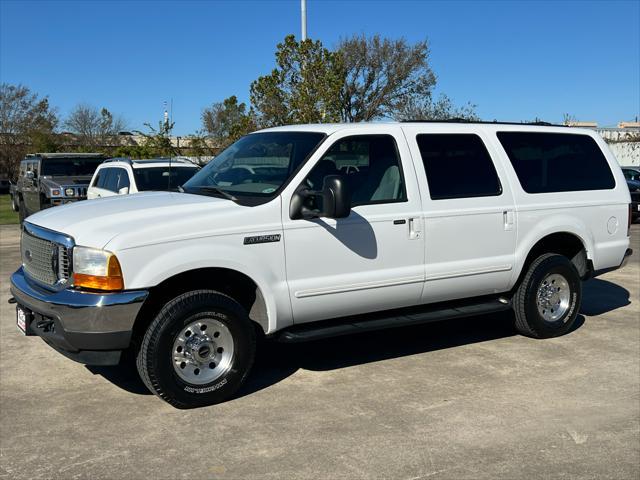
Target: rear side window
{"points": [[557, 162], [458, 166]]}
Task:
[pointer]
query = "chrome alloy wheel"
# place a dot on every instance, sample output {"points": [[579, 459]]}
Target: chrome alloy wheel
{"points": [[202, 351], [553, 297]]}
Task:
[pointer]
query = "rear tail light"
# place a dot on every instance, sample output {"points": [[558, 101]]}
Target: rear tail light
{"points": [[629, 220]]}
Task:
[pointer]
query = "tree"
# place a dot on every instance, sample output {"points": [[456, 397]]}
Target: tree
{"points": [[157, 143], [94, 128], [303, 88], [386, 78], [26, 121], [441, 109], [227, 121]]}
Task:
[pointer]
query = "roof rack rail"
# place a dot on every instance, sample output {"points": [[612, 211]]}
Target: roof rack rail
{"points": [[119, 159], [483, 122]]}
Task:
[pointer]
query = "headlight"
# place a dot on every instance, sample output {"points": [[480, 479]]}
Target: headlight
{"points": [[96, 269], [69, 192]]}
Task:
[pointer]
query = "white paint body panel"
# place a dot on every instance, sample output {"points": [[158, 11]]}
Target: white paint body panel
{"points": [[326, 268]]}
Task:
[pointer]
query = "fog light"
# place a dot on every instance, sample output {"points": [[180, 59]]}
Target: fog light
{"points": [[69, 192], [55, 192]]}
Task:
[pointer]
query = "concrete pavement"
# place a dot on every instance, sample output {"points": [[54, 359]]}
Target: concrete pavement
{"points": [[462, 399]]}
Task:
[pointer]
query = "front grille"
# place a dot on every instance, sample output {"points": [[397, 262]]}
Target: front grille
{"points": [[64, 267], [82, 192], [38, 258], [43, 260]]}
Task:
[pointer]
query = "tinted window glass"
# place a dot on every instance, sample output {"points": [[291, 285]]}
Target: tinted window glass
{"points": [[111, 182], [96, 180], [370, 165], [69, 167], [157, 178], [104, 177], [458, 166], [557, 162], [123, 180], [257, 165]]}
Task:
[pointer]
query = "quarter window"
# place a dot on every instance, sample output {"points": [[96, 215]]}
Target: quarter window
{"points": [[370, 165], [557, 162], [458, 166]]}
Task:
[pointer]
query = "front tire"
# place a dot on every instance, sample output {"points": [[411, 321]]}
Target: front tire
{"points": [[548, 298], [198, 350]]}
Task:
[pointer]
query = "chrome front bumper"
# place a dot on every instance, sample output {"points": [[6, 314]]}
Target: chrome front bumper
{"points": [[78, 321]]}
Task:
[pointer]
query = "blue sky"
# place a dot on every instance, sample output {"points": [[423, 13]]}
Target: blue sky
{"points": [[516, 60]]}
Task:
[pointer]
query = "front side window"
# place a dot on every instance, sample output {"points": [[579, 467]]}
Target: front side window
{"points": [[256, 166], [557, 162], [96, 180], [370, 165], [162, 178], [113, 179], [458, 166], [105, 178]]}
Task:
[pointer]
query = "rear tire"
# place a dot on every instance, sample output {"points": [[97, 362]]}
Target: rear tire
{"points": [[548, 298], [198, 350]]}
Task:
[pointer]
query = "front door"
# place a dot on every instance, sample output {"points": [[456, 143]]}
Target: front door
{"points": [[371, 260]]}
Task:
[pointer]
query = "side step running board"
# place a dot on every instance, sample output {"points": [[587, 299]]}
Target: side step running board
{"points": [[389, 319]]}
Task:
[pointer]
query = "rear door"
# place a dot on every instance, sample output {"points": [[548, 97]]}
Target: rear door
{"points": [[469, 214]]}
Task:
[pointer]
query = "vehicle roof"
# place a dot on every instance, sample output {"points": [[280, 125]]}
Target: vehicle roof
{"points": [[329, 128], [150, 162], [64, 155]]}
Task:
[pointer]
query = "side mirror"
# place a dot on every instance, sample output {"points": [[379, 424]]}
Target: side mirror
{"points": [[123, 191], [333, 201]]}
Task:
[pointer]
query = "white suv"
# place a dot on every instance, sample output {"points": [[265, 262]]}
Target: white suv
{"points": [[121, 176], [312, 231]]}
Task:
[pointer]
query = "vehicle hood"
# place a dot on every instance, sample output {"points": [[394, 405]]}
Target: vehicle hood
{"points": [[137, 219]]}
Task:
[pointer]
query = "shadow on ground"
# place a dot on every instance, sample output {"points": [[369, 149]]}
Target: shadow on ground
{"points": [[276, 361]]}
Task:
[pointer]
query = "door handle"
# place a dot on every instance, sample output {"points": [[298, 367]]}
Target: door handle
{"points": [[414, 229], [508, 219]]}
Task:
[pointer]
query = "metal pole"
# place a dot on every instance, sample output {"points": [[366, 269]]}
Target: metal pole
{"points": [[303, 18]]}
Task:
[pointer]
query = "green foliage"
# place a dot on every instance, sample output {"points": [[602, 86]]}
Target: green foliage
{"points": [[157, 143], [225, 122], [26, 121], [7, 215], [303, 88]]}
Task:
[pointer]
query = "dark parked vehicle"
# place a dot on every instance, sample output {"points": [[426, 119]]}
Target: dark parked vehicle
{"points": [[631, 173], [49, 179], [634, 189], [5, 185]]}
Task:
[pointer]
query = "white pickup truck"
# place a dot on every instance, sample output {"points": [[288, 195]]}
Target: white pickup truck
{"points": [[312, 231]]}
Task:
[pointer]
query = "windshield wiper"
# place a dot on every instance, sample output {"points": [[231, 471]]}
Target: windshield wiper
{"points": [[217, 190]]}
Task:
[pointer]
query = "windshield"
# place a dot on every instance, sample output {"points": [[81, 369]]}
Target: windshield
{"points": [[157, 178], [70, 167], [256, 165]]}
